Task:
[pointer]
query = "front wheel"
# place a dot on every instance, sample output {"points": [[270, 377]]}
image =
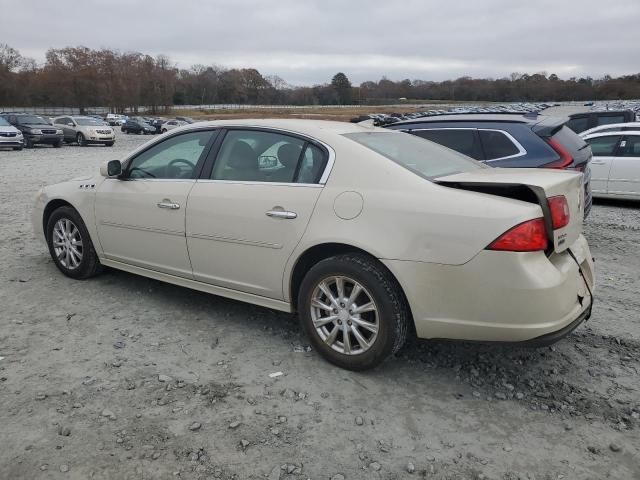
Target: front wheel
{"points": [[70, 245], [58, 144], [81, 140], [109, 144], [17, 148], [353, 311]]}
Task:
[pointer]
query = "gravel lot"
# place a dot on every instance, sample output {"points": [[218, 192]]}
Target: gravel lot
{"points": [[122, 377]]}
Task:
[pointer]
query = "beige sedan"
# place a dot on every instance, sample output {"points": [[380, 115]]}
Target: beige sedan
{"points": [[85, 130], [369, 234]]}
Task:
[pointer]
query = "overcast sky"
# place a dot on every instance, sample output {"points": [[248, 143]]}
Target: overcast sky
{"points": [[307, 41]]}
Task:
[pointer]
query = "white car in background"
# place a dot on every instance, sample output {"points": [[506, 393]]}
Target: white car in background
{"points": [[171, 124], [85, 130], [615, 167], [367, 233], [614, 127], [115, 120], [10, 136]]}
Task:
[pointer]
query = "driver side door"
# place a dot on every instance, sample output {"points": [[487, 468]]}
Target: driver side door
{"points": [[140, 216]]}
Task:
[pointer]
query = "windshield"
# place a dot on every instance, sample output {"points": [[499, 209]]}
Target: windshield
{"points": [[89, 122], [3, 122], [425, 158], [32, 120]]}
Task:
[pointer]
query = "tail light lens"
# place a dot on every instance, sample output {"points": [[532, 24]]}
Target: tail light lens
{"points": [[559, 209], [529, 236], [565, 158]]}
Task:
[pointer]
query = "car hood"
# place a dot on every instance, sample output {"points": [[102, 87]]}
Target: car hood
{"points": [[9, 128]]}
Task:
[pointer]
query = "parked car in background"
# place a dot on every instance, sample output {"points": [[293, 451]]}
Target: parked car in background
{"points": [[157, 124], [186, 119], [137, 126], [85, 130], [616, 164], [367, 233], [508, 140], [615, 127], [10, 136], [579, 122], [171, 124], [114, 119], [35, 129]]}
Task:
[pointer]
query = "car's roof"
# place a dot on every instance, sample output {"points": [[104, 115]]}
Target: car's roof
{"points": [[607, 126], [303, 126], [618, 133], [531, 118]]}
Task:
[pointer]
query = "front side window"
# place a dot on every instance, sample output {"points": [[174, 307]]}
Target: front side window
{"points": [[497, 144], [89, 122], [259, 156], [464, 141], [609, 119], [603, 146], [426, 159], [631, 147], [174, 158]]}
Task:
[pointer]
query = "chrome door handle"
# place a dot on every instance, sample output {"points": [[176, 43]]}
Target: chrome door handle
{"points": [[282, 214], [597, 163], [169, 205]]}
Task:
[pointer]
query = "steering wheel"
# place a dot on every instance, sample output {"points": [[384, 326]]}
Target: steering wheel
{"points": [[180, 160], [142, 170]]}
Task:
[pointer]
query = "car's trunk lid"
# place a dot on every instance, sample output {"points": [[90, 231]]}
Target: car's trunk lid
{"points": [[530, 185]]}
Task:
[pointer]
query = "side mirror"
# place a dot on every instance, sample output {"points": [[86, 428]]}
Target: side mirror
{"points": [[111, 168]]}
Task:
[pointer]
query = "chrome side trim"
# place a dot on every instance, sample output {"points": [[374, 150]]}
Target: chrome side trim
{"points": [[251, 182], [242, 241], [143, 229], [200, 286]]}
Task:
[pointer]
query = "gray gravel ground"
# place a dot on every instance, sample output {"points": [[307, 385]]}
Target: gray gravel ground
{"points": [[123, 377]]}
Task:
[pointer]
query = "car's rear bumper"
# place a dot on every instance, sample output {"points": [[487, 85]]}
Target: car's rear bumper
{"points": [[500, 296]]}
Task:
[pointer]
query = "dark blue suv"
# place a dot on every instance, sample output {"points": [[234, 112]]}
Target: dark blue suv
{"points": [[508, 140]]}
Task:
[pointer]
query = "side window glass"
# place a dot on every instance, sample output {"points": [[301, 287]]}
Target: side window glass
{"points": [[632, 147], [603, 146], [609, 119], [256, 156], [579, 124], [463, 141], [175, 158], [497, 145], [313, 163]]}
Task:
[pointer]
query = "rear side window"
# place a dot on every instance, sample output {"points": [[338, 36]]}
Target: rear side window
{"points": [[497, 144], [579, 124], [604, 146], [631, 147], [425, 159], [464, 141]]}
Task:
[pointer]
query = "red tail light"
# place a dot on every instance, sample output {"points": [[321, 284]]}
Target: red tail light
{"points": [[559, 209], [565, 158], [530, 236]]}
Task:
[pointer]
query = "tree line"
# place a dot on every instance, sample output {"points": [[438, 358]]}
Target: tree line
{"points": [[82, 77]]}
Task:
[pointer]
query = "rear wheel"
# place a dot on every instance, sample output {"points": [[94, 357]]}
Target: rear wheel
{"points": [[81, 140], [70, 245], [353, 311]]}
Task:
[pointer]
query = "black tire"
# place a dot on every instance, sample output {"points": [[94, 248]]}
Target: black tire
{"points": [[58, 144], [81, 140], [164, 130], [393, 312], [28, 143], [18, 149], [89, 265], [109, 144]]}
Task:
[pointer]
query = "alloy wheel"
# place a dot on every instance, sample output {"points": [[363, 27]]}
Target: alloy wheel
{"points": [[67, 243], [344, 315]]}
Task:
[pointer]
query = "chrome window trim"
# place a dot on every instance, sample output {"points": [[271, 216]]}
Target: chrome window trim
{"points": [[194, 127], [521, 149], [256, 182]]}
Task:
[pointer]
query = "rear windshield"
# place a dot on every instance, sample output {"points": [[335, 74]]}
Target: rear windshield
{"points": [[425, 158], [569, 139]]}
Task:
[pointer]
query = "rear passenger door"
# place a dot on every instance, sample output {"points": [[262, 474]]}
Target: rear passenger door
{"points": [[250, 208], [604, 149], [463, 140], [624, 177]]}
